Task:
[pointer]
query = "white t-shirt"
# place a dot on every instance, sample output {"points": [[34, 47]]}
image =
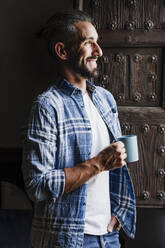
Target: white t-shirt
{"points": [[98, 211]]}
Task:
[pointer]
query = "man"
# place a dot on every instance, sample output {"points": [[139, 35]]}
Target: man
{"points": [[73, 169]]}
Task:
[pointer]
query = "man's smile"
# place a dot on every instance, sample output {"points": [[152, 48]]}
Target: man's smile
{"points": [[92, 60]]}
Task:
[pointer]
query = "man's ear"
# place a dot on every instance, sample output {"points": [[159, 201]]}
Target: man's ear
{"points": [[59, 49]]}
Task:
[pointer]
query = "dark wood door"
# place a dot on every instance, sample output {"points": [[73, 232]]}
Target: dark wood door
{"points": [[132, 35]]}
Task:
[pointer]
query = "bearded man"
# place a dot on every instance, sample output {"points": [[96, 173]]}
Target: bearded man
{"points": [[74, 170]]}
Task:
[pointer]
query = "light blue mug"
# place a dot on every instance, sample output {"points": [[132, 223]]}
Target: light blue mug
{"points": [[131, 147]]}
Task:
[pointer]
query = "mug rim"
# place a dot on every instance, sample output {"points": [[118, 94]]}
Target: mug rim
{"points": [[127, 136]]}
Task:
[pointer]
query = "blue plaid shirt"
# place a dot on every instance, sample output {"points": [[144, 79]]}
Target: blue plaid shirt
{"points": [[58, 135]]}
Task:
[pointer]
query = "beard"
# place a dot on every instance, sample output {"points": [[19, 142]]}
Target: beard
{"points": [[78, 66]]}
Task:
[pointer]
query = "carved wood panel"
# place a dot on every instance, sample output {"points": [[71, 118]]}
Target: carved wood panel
{"points": [[127, 14], [132, 75], [148, 174], [113, 69], [163, 79]]}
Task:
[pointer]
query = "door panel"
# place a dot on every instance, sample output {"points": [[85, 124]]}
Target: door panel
{"points": [[132, 75], [126, 14], [149, 172]]}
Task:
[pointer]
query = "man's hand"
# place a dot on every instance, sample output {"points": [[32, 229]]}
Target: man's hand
{"points": [[114, 224], [112, 157]]}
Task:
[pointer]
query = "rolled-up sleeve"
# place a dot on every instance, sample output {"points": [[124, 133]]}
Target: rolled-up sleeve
{"points": [[43, 180]]}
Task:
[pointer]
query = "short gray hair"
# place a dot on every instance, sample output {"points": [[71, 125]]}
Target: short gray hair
{"points": [[60, 27]]}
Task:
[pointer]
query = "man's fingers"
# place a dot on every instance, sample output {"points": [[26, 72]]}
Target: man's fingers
{"points": [[114, 224], [118, 227], [113, 156], [119, 147], [123, 155], [118, 144]]}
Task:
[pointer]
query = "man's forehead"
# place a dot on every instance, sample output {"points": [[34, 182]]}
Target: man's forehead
{"points": [[86, 30]]}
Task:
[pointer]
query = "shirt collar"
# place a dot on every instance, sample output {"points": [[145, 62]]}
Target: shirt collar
{"points": [[70, 89]]}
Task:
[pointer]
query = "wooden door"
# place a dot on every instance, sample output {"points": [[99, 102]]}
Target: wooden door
{"points": [[132, 35]]}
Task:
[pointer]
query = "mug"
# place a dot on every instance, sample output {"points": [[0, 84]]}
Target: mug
{"points": [[131, 147]]}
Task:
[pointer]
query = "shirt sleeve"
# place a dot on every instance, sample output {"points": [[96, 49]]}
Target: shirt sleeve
{"points": [[43, 180]]}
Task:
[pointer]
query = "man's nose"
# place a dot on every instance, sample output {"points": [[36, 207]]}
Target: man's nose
{"points": [[97, 51]]}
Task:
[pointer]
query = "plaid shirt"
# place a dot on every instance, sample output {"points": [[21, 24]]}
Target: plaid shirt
{"points": [[58, 135]]}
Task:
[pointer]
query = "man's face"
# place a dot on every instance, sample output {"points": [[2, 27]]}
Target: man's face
{"points": [[85, 52]]}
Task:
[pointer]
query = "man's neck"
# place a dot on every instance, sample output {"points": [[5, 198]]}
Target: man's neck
{"points": [[75, 79]]}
